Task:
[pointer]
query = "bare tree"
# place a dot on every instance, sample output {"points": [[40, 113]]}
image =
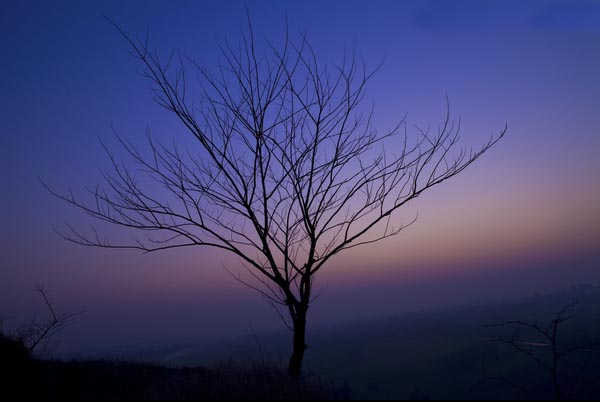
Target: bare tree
{"points": [[287, 171], [547, 354], [35, 334]]}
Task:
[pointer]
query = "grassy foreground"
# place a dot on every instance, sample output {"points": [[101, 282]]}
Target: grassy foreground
{"points": [[26, 377]]}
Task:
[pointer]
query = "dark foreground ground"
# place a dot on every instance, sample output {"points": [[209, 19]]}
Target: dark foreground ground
{"points": [[25, 378]]}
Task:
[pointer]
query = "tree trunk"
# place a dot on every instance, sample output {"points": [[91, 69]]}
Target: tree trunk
{"points": [[295, 367]]}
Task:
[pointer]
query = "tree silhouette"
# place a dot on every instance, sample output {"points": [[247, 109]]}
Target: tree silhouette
{"points": [[34, 335], [549, 356], [288, 170]]}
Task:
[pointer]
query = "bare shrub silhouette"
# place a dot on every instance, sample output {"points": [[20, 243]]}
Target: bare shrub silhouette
{"points": [[22, 349], [36, 333], [287, 171], [540, 345]]}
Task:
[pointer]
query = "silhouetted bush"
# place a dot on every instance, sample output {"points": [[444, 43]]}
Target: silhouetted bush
{"points": [[18, 370]]}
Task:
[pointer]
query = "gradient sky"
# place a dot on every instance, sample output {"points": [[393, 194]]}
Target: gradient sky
{"points": [[524, 219]]}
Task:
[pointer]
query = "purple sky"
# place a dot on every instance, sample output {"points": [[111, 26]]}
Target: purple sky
{"points": [[524, 218]]}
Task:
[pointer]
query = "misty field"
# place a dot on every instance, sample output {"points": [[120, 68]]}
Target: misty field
{"points": [[440, 354]]}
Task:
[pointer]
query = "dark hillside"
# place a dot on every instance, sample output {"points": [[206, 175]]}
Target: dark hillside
{"points": [[27, 378]]}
